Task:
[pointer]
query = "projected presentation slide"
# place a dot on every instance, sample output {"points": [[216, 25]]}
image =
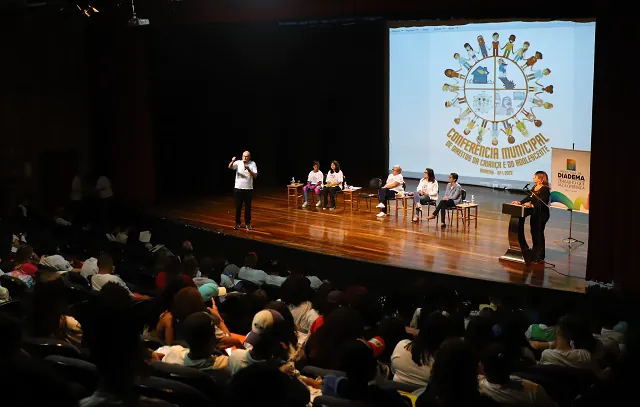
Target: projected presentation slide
{"points": [[489, 100]]}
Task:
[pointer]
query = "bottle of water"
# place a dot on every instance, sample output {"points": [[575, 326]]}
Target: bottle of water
{"points": [[473, 199], [293, 180]]}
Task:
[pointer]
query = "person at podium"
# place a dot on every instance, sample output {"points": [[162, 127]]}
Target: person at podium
{"points": [[541, 214]]}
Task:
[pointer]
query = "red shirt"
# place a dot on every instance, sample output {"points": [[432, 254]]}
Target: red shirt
{"points": [[27, 268], [316, 324], [161, 281]]}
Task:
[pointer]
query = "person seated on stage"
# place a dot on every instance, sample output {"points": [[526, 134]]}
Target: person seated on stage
{"points": [[427, 192], [390, 189], [314, 183], [250, 273], [452, 196], [332, 185]]}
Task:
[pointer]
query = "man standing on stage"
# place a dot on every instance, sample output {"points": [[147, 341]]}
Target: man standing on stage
{"points": [[246, 170]]}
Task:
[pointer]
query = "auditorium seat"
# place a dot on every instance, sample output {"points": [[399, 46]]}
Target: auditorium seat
{"points": [[42, 347], [172, 391], [17, 288], [199, 380], [13, 307], [75, 370]]}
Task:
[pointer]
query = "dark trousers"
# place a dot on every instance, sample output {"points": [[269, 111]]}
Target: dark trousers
{"points": [[384, 195], [442, 205], [329, 192], [538, 223], [243, 196]]}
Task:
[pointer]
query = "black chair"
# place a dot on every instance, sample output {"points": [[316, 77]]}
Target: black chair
{"points": [[42, 347], [247, 286], [80, 311], [375, 183], [75, 370], [152, 343], [404, 387], [192, 377], [313, 371], [329, 401], [13, 307], [451, 210], [17, 288], [78, 293], [172, 392], [78, 279]]}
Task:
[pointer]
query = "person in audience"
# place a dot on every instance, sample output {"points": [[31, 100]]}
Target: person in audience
{"points": [[325, 303], [278, 273], [454, 379], [516, 346], [332, 185], [200, 335], [314, 184], [573, 347], [452, 197], [4, 294], [393, 186], [479, 333], [48, 317], [219, 270], [249, 272], [296, 292], [359, 384], [427, 192], [210, 291], [497, 383], [292, 333], [265, 385], [25, 261], [172, 271], [105, 275], [191, 268], [392, 330], [412, 361], [205, 270]]}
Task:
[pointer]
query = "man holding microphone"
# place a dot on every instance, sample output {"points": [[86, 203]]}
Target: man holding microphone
{"points": [[246, 170]]}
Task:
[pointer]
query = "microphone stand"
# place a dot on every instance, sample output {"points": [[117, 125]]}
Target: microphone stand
{"points": [[531, 193]]}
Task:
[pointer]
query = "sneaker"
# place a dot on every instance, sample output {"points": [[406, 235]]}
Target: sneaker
{"points": [[249, 226], [333, 208], [324, 208], [305, 204], [236, 227], [319, 204], [380, 205], [415, 219], [381, 215]]}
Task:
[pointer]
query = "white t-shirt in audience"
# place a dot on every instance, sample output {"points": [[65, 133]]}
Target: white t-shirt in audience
{"points": [[518, 392], [315, 177], [405, 370], [395, 178], [253, 275], [104, 187], [578, 358], [99, 280], [304, 315], [57, 262], [315, 282], [275, 280], [239, 359], [89, 267]]}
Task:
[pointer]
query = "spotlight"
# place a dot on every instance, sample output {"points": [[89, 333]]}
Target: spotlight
{"points": [[87, 11]]}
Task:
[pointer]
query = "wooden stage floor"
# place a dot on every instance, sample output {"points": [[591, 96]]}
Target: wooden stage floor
{"points": [[396, 241]]}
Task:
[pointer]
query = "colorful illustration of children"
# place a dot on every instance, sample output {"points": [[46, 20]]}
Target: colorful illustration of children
{"points": [[519, 54], [530, 116], [481, 131], [508, 47], [522, 128], [495, 44], [483, 46], [472, 54], [507, 105], [502, 68], [538, 74], [450, 73], [463, 115], [540, 103], [463, 62], [532, 60], [494, 133], [470, 126], [539, 89], [451, 88], [455, 102], [508, 130]]}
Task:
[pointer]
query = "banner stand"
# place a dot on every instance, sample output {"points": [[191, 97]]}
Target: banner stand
{"points": [[569, 242]]}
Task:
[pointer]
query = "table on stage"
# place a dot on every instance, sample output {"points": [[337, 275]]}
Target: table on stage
{"points": [[348, 196], [467, 217], [518, 248], [294, 192]]}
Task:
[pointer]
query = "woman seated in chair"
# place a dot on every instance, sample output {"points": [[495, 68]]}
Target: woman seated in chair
{"points": [[452, 197], [314, 184], [427, 192], [332, 185], [393, 186]]}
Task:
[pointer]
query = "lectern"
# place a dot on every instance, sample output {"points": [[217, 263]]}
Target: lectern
{"points": [[518, 247]]}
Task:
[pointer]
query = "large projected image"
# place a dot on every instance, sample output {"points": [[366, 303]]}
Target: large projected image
{"points": [[489, 101]]}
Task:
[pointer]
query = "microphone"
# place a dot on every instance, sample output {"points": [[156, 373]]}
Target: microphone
{"points": [[526, 186]]}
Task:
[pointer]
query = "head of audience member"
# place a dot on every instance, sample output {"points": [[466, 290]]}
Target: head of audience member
{"points": [[190, 266], [279, 268], [360, 299], [200, 334], [430, 175], [392, 330], [24, 255], [435, 328], [272, 334], [316, 166], [454, 375], [509, 334], [359, 364], [283, 309], [173, 268], [495, 364], [335, 166], [453, 178], [342, 325], [105, 264], [396, 169], [251, 260], [295, 290], [479, 333], [268, 387], [49, 304], [327, 299], [186, 302], [206, 266], [574, 333], [112, 336]]}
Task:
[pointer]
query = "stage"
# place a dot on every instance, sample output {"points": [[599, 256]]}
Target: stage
{"points": [[396, 241]]}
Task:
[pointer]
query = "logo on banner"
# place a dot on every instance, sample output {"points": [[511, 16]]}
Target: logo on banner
{"points": [[570, 186], [498, 95], [571, 164]]}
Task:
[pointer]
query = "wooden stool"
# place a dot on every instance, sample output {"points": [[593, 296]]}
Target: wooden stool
{"points": [[348, 196], [405, 202], [294, 192], [467, 217]]}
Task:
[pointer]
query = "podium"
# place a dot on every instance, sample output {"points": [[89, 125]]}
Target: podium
{"points": [[518, 247]]}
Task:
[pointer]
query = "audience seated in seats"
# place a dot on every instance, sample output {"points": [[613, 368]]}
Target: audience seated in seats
{"points": [[24, 380], [190, 268], [497, 383], [322, 349], [454, 379], [250, 273], [265, 385], [205, 271], [24, 266], [412, 361], [392, 330], [212, 271], [48, 317], [295, 337], [89, 267], [278, 273], [112, 336], [359, 384], [200, 334], [509, 333], [186, 302], [105, 275], [296, 293], [540, 335], [325, 302], [172, 271], [479, 333]]}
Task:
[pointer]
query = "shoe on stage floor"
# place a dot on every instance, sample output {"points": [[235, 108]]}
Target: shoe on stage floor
{"points": [[319, 204], [381, 214], [431, 217], [444, 225], [236, 227], [249, 227], [304, 205], [415, 219], [380, 205]]}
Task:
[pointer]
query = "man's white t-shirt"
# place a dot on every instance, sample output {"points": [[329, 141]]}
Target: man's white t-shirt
{"points": [[518, 391], [57, 262], [244, 180], [104, 187], [275, 280], [578, 358], [315, 177], [89, 267], [253, 275], [99, 280], [395, 178]]}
